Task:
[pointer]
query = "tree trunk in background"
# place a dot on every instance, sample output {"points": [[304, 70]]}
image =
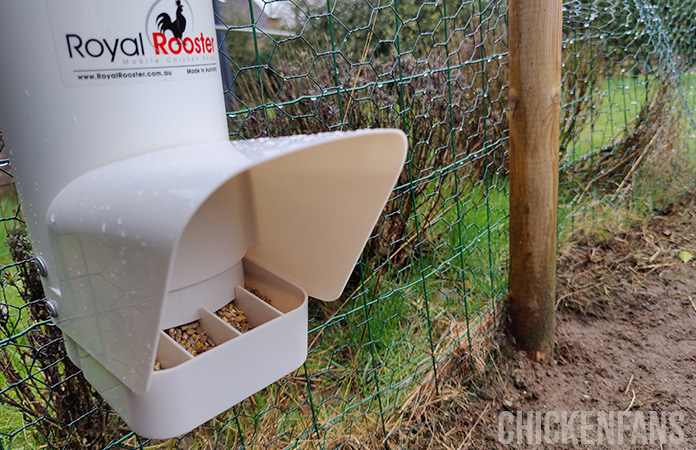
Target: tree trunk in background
{"points": [[535, 87]]}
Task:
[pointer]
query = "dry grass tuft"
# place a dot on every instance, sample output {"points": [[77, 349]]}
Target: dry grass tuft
{"points": [[463, 352]]}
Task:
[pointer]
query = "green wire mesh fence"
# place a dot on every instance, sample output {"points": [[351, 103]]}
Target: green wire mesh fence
{"points": [[390, 361]]}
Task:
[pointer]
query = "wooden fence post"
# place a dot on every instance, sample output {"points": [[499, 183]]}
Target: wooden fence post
{"points": [[534, 28]]}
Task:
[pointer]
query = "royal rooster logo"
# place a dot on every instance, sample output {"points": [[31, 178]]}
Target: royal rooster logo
{"points": [[176, 26]]}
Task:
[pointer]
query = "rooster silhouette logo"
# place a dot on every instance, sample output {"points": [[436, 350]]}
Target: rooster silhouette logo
{"points": [[176, 26]]}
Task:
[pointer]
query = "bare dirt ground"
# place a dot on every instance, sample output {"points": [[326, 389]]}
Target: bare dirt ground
{"points": [[626, 347]]}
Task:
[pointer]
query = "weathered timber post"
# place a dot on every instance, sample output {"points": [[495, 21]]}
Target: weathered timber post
{"points": [[535, 89]]}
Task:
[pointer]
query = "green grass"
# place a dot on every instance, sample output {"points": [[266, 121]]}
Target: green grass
{"points": [[621, 101], [655, 184], [618, 102], [615, 106], [14, 432], [9, 210], [9, 214]]}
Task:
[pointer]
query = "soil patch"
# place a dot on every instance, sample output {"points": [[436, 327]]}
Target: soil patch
{"points": [[626, 347]]}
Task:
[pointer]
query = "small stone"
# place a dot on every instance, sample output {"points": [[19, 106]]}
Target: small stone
{"points": [[234, 317], [192, 337]]}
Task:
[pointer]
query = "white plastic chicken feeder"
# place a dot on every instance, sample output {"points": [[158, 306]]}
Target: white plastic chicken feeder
{"points": [[144, 216]]}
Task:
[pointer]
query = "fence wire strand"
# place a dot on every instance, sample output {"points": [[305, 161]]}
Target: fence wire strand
{"points": [[394, 357]]}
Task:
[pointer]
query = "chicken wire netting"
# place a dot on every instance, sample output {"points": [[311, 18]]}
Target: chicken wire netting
{"points": [[392, 360]]}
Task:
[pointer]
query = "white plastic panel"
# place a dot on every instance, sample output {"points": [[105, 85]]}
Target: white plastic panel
{"points": [[257, 311], [284, 294], [143, 244], [169, 353], [183, 305], [219, 331], [314, 230], [217, 236], [122, 223]]}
